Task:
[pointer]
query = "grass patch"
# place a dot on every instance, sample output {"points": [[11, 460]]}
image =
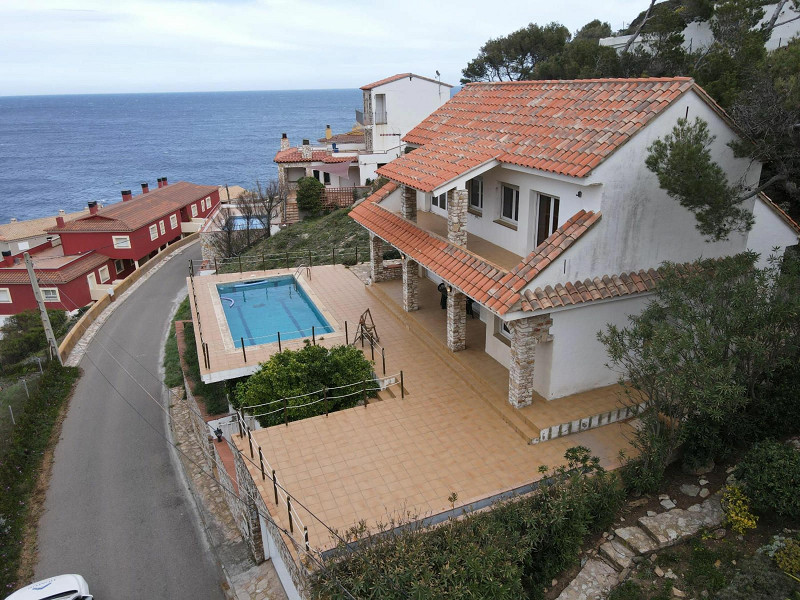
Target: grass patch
{"points": [[213, 394], [318, 235], [630, 590], [22, 459], [173, 375]]}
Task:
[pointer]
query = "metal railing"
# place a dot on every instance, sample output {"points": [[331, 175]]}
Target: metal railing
{"points": [[348, 255], [381, 117]]}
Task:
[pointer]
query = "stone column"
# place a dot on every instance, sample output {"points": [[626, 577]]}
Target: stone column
{"points": [[375, 257], [525, 334], [408, 203], [457, 202], [410, 284], [456, 321]]}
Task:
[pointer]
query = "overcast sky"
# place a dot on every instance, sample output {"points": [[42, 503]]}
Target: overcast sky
{"points": [[107, 46]]}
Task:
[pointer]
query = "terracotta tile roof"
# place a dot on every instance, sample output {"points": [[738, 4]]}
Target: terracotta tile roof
{"points": [[53, 267], [779, 211], [399, 76], [588, 290], [293, 155], [564, 127], [20, 230], [345, 138], [484, 282], [141, 210]]}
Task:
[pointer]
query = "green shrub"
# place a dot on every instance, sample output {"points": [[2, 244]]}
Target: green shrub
{"points": [[309, 195], [628, 590], [294, 373], [757, 578], [23, 334], [770, 473], [511, 551], [788, 558], [212, 395]]}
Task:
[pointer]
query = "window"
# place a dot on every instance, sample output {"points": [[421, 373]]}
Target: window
{"points": [[380, 109], [547, 218], [207, 203], [510, 209], [119, 266], [326, 178], [153, 231], [162, 227], [51, 295], [173, 221], [5, 295], [104, 275], [501, 331], [475, 190], [23, 246], [91, 280], [121, 241], [440, 201], [194, 210]]}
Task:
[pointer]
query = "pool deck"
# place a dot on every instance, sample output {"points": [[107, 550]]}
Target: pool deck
{"points": [[401, 456]]}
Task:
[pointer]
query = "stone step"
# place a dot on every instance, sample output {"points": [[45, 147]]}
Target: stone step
{"points": [[618, 554], [595, 580], [676, 525], [636, 539]]}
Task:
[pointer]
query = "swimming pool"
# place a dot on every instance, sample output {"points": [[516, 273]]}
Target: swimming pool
{"points": [[239, 223], [257, 310]]}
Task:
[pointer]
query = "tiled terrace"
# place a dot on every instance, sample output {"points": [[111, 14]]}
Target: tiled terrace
{"points": [[493, 253], [406, 455]]}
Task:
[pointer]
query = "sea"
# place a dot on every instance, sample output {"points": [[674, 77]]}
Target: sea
{"points": [[59, 152]]}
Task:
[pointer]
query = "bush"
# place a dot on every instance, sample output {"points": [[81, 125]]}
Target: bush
{"points": [[770, 473], [737, 510], [757, 578], [23, 334], [511, 551], [294, 374], [309, 195], [788, 558], [629, 590]]}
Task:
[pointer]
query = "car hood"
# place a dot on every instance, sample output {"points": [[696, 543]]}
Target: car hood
{"points": [[53, 586]]}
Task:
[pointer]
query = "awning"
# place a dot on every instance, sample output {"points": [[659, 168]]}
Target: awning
{"points": [[341, 168]]}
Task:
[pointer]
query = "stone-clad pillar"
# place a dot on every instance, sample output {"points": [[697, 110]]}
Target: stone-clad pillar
{"points": [[410, 284], [456, 321], [375, 258], [525, 334], [408, 203], [457, 202]]}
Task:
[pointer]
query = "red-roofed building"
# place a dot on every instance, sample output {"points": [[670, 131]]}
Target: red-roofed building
{"points": [[392, 107], [532, 200], [85, 253]]}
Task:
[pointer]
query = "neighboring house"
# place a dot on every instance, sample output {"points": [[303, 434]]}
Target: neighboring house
{"points": [[26, 236], [697, 35], [81, 258], [532, 199], [392, 107]]}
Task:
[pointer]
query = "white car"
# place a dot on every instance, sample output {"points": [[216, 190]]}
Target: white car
{"points": [[60, 587]]}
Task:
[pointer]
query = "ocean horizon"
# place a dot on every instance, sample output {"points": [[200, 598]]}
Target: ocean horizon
{"points": [[61, 151]]}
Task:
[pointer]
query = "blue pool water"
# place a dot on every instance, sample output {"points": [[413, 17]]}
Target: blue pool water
{"points": [[240, 223], [258, 310]]}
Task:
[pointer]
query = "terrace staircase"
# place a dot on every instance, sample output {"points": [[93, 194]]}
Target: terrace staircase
{"points": [[291, 212]]}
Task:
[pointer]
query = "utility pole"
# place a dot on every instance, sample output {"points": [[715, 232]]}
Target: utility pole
{"points": [[48, 329]]}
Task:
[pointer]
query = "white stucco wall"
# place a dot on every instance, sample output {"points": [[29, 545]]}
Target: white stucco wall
{"points": [[641, 226], [575, 360], [408, 102], [770, 234]]}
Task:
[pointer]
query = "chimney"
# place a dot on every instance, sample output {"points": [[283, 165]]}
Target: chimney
{"points": [[13, 219], [159, 183], [62, 212], [93, 207], [126, 195], [145, 187], [164, 181], [8, 260], [328, 132], [59, 221], [305, 150], [284, 142]]}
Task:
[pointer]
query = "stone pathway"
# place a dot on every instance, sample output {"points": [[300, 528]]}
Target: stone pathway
{"points": [[627, 545], [245, 578]]}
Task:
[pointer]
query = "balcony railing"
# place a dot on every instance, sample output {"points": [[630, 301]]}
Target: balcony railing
{"points": [[381, 118], [362, 119]]}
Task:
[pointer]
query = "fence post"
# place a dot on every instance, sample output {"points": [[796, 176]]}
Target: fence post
{"points": [[286, 411], [310, 260], [240, 263], [346, 337], [313, 336], [333, 255], [356, 253], [364, 391], [372, 347], [215, 264], [279, 341], [239, 421], [305, 537], [250, 441], [261, 462], [287, 260], [244, 352], [275, 485], [289, 509], [325, 399], [402, 387], [383, 359]]}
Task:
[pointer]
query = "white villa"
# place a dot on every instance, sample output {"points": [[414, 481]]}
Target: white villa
{"points": [[392, 107], [532, 200]]}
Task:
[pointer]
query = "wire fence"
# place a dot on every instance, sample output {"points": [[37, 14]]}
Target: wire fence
{"points": [[341, 255]]}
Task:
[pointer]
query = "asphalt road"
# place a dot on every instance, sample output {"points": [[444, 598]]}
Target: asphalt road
{"points": [[118, 510]]}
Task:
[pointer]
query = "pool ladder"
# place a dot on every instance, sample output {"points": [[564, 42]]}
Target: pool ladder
{"points": [[300, 268]]}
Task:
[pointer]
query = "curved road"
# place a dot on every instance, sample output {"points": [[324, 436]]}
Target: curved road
{"points": [[118, 510]]}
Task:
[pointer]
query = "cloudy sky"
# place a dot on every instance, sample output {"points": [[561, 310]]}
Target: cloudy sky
{"points": [[102, 46]]}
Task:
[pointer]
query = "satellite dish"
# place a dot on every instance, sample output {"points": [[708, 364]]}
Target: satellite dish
{"points": [[437, 74]]}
